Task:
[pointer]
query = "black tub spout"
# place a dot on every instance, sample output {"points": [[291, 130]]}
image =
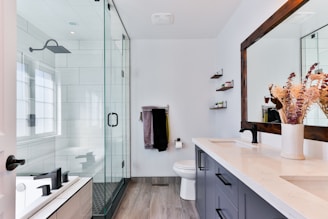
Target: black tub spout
{"points": [[55, 176]]}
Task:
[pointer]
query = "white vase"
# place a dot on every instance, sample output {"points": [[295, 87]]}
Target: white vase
{"points": [[292, 138]]}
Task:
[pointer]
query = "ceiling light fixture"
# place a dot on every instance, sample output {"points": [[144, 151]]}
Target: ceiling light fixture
{"points": [[162, 18]]}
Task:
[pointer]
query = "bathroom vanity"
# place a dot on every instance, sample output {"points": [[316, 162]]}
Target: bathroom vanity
{"points": [[237, 179]]}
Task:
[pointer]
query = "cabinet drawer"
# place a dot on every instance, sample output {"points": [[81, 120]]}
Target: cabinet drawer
{"points": [[228, 183], [225, 208]]}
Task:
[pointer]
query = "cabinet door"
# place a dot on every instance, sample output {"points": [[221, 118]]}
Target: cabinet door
{"points": [[252, 206], [228, 183], [211, 188], [200, 182], [225, 209]]}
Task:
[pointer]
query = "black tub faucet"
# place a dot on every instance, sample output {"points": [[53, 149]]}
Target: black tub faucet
{"points": [[55, 176], [253, 129]]}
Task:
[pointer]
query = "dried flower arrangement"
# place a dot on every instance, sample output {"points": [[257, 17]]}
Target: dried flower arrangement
{"points": [[294, 100]]}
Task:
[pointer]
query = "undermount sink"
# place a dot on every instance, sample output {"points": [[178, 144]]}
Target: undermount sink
{"points": [[233, 142], [317, 185]]}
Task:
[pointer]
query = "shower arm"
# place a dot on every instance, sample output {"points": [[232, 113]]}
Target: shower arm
{"points": [[45, 45]]}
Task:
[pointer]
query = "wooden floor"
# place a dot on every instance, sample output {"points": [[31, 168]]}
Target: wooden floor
{"points": [[155, 198]]}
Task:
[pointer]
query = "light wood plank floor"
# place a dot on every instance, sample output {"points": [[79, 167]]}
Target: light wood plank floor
{"points": [[155, 198]]}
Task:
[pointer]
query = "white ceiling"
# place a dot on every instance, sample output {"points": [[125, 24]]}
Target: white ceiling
{"points": [[55, 18], [192, 18]]}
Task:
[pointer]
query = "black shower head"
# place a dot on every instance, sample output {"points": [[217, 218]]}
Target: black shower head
{"points": [[54, 49], [58, 49]]}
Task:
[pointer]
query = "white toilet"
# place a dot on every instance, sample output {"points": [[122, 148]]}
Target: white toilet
{"points": [[187, 170]]}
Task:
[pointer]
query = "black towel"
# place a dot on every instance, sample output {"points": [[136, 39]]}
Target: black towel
{"points": [[159, 129]]}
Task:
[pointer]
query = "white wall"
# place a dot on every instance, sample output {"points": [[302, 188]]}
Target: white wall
{"points": [[177, 73]]}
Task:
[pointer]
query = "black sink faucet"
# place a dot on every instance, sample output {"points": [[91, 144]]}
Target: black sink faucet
{"points": [[253, 129], [55, 176]]}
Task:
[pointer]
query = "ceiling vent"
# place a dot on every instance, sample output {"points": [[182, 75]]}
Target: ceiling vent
{"points": [[162, 18]]}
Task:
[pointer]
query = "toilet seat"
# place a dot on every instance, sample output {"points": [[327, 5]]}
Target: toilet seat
{"points": [[185, 164]]}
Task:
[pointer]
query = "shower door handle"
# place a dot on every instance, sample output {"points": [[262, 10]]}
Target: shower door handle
{"points": [[108, 120]]}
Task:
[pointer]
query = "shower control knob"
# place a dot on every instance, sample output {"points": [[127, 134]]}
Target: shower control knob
{"points": [[12, 163]]}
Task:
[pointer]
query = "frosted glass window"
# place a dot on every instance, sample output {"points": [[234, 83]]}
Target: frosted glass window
{"points": [[48, 95], [39, 80], [48, 80], [48, 125], [22, 109], [35, 99], [48, 110], [39, 93], [39, 127], [39, 110], [44, 107]]}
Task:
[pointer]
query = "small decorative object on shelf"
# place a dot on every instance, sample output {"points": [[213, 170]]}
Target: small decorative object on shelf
{"points": [[218, 74], [227, 85], [219, 105]]}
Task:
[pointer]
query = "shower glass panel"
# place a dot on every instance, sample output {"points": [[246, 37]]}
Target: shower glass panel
{"points": [[79, 121], [113, 120]]}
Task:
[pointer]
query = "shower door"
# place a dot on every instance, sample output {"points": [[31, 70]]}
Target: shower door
{"points": [[113, 105]]}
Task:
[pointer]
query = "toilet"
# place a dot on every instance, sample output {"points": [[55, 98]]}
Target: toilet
{"points": [[186, 169]]}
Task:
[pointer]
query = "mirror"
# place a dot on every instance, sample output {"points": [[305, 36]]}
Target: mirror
{"points": [[282, 56]]}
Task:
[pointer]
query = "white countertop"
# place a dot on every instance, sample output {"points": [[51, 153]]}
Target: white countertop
{"points": [[261, 167]]}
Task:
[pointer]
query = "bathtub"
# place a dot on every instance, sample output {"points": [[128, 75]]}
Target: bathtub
{"points": [[29, 198]]}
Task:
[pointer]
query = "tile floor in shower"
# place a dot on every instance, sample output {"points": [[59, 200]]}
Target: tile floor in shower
{"points": [[101, 195]]}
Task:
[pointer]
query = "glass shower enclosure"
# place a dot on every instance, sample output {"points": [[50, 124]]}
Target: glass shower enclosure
{"points": [[73, 106]]}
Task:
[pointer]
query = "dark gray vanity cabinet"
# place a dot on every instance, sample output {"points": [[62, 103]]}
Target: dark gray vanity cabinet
{"points": [[219, 194], [227, 185], [252, 206], [211, 193]]}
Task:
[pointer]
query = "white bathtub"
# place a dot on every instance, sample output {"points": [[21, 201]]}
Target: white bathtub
{"points": [[29, 198]]}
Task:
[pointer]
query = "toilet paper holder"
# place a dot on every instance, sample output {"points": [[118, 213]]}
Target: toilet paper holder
{"points": [[178, 143]]}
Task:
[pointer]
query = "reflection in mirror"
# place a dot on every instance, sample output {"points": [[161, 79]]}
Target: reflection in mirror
{"points": [[272, 58], [314, 47]]}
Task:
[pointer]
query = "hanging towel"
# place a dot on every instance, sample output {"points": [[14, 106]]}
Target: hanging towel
{"points": [[159, 129], [147, 119]]}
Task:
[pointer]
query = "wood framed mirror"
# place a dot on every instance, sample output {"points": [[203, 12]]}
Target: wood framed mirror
{"points": [[310, 132]]}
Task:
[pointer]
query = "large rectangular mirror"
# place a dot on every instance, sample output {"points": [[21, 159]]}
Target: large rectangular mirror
{"points": [[270, 54]]}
